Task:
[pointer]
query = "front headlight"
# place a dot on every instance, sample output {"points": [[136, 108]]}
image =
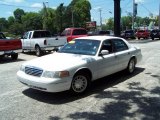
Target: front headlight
{"points": [[22, 68], [57, 74]]}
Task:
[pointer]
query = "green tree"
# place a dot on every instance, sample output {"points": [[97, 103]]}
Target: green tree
{"points": [[110, 24], [11, 20], [48, 19], [16, 29], [32, 21], [18, 13], [60, 20], [3, 24], [82, 12]]}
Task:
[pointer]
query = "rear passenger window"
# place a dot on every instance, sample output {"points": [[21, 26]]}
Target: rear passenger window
{"points": [[119, 45]]}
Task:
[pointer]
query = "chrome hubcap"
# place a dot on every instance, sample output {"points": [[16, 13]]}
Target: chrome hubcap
{"points": [[79, 83]]}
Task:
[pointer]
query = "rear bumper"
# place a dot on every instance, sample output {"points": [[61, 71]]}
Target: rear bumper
{"points": [[9, 52], [51, 48]]}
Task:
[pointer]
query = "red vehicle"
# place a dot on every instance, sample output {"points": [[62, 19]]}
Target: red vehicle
{"points": [[9, 47], [143, 34], [72, 33]]}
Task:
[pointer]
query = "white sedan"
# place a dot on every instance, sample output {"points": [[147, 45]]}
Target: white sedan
{"points": [[78, 63]]}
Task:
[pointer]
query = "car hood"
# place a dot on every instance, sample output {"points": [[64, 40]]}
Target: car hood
{"points": [[59, 61]]}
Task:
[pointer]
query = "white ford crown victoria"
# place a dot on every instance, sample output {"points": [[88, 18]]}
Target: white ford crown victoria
{"points": [[78, 63]]}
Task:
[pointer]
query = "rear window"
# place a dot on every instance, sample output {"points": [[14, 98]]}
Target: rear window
{"points": [[41, 34], [79, 32], [104, 32]]}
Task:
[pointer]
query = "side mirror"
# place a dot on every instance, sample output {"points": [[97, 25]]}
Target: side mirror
{"points": [[104, 52]]}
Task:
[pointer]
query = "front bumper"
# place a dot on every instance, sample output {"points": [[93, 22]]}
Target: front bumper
{"points": [[44, 84]]}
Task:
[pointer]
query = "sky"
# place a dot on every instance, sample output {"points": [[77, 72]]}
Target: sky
{"points": [[145, 7]]}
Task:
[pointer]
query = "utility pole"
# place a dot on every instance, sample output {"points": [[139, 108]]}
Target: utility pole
{"points": [[117, 17], [100, 10], [72, 19], [133, 14]]}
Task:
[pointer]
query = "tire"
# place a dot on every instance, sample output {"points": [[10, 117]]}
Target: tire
{"points": [[14, 56], [80, 83], [152, 38], [138, 38], [22, 50], [38, 51], [131, 66]]}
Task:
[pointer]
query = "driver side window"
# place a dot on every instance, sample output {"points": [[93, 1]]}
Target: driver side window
{"points": [[107, 45]]}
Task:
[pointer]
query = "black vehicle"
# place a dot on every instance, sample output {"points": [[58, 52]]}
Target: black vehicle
{"points": [[128, 34], [155, 34]]}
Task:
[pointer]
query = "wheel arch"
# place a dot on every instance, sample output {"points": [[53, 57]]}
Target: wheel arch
{"points": [[134, 57], [85, 71], [36, 45]]}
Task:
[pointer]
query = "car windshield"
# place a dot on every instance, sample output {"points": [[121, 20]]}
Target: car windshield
{"points": [[81, 46]]}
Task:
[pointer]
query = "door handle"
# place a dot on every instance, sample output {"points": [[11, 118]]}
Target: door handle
{"points": [[56, 39], [129, 53]]}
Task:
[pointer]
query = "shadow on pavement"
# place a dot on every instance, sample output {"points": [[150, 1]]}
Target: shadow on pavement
{"points": [[5, 60], [96, 87], [34, 54]]}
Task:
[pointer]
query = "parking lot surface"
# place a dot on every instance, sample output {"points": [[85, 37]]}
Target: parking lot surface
{"points": [[116, 97]]}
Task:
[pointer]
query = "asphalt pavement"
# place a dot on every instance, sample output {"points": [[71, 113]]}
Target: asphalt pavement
{"points": [[116, 97]]}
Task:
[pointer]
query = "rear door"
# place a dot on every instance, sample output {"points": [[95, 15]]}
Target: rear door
{"points": [[122, 54]]}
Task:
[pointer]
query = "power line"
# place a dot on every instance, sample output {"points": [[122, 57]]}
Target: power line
{"points": [[17, 5], [145, 8]]}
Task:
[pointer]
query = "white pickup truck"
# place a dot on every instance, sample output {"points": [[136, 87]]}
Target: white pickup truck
{"points": [[41, 41]]}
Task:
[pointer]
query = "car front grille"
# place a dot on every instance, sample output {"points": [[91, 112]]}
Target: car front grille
{"points": [[33, 71]]}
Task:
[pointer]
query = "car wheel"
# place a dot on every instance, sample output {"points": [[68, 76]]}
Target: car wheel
{"points": [[80, 83], [131, 66], [138, 38], [14, 56], [22, 50], [38, 51]]}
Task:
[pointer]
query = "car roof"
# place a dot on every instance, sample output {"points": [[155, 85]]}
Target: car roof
{"points": [[100, 38]]}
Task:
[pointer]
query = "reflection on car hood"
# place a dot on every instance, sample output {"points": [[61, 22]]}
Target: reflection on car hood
{"points": [[59, 61]]}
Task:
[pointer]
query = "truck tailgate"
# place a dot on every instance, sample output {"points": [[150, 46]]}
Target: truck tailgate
{"points": [[10, 44], [56, 41]]}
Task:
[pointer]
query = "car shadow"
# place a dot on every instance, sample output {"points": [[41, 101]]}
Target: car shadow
{"points": [[96, 87], [34, 54], [5, 60]]}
